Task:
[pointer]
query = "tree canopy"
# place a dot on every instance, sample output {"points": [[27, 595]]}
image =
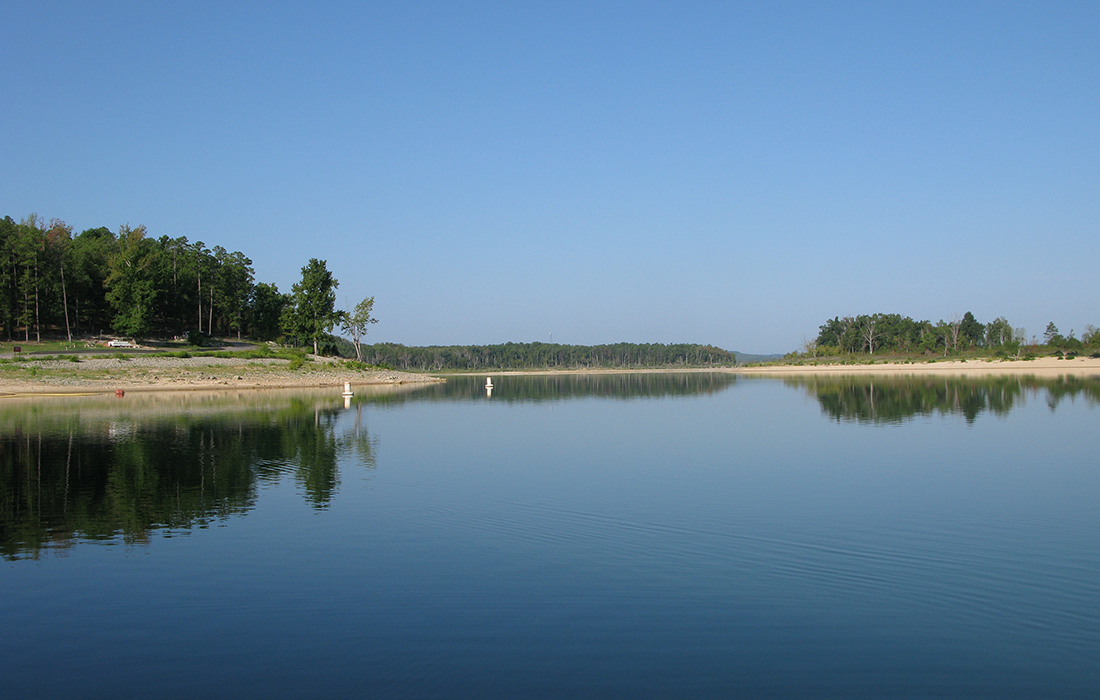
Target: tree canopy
{"points": [[311, 314]]}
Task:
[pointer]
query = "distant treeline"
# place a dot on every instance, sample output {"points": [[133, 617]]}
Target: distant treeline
{"points": [[529, 355]]}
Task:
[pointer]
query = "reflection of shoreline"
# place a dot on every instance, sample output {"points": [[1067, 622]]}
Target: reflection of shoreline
{"points": [[872, 398], [1048, 367], [96, 469]]}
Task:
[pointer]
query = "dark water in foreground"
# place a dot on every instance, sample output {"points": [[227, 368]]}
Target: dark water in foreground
{"points": [[635, 536]]}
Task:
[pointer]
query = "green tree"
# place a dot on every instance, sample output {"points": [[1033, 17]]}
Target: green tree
{"points": [[131, 284], [91, 252], [233, 287], [1091, 336], [266, 310], [1051, 333], [58, 240], [29, 249], [312, 312], [355, 323], [998, 332], [971, 332]]}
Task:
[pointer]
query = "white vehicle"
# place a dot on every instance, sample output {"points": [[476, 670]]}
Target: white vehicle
{"points": [[120, 344]]}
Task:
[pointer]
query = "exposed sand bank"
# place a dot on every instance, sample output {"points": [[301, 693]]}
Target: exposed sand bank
{"points": [[154, 373]]}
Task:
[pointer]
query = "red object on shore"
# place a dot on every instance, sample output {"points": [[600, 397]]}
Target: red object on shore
{"points": [[119, 393]]}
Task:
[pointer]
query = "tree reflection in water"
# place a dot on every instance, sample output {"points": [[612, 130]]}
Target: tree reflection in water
{"points": [[883, 400], [96, 471]]}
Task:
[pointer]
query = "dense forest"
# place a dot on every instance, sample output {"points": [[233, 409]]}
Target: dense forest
{"points": [[894, 333], [128, 283]]}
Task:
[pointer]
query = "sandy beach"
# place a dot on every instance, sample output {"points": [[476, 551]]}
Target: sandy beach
{"points": [[1049, 367], [158, 373]]}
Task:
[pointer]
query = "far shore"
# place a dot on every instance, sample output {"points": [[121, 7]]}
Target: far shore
{"points": [[1051, 367], [150, 373]]}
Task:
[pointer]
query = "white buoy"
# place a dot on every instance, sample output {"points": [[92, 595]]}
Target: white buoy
{"points": [[347, 389], [489, 386]]}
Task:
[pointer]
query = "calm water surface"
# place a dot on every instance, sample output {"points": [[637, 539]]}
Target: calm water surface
{"points": [[635, 536]]}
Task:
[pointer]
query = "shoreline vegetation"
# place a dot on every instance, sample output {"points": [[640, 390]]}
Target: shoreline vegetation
{"points": [[70, 370]]}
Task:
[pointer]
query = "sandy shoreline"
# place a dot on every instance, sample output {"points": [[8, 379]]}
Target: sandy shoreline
{"points": [[1050, 367], [155, 373], [102, 375]]}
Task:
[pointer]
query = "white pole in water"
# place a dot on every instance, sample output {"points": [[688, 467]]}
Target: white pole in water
{"points": [[488, 386]]}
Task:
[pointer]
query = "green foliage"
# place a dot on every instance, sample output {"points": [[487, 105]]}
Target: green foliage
{"points": [[892, 333], [1051, 333], [198, 338], [131, 283], [355, 323], [266, 311], [312, 314]]}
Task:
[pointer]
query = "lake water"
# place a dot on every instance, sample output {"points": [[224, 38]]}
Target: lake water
{"points": [[611, 536]]}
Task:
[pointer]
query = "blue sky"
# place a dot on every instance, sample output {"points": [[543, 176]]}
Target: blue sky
{"points": [[726, 173]]}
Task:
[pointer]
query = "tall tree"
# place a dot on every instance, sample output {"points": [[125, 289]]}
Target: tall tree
{"points": [[355, 323], [998, 332], [972, 332], [131, 285], [234, 287], [9, 292], [312, 313], [868, 332], [58, 238], [1051, 333], [266, 311], [30, 244], [91, 251]]}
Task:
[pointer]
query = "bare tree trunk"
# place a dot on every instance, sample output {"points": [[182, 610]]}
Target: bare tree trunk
{"points": [[37, 324], [65, 302]]}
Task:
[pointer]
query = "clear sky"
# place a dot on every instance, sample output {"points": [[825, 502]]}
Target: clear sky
{"points": [[730, 173]]}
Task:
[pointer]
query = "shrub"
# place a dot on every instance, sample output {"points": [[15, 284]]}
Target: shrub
{"points": [[198, 339]]}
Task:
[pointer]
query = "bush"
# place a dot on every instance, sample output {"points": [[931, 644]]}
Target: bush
{"points": [[199, 339]]}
